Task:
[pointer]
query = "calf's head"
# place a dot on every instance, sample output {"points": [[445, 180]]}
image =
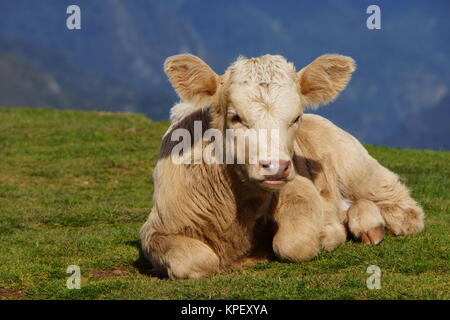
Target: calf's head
{"points": [[258, 104]]}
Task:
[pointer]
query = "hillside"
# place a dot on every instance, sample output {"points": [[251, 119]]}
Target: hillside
{"points": [[75, 187], [35, 76], [115, 61], [25, 85]]}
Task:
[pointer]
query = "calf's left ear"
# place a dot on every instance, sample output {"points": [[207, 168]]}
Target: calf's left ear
{"points": [[323, 79]]}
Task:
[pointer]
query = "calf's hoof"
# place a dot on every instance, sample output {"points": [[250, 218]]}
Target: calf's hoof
{"points": [[366, 222], [373, 236]]}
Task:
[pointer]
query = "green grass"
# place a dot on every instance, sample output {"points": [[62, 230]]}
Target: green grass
{"points": [[75, 187]]}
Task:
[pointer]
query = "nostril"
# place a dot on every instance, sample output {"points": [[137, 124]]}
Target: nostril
{"points": [[265, 164], [287, 167], [278, 169]]}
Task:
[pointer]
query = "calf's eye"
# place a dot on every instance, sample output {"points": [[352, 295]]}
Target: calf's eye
{"points": [[236, 119], [296, 120]]}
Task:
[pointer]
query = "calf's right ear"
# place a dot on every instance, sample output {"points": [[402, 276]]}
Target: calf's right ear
{"points": [[191, 78]]}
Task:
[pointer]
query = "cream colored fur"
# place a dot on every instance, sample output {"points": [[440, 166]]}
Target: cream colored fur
{"points": [[212, 218]]}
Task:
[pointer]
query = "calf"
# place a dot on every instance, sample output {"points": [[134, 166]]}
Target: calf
{"points": [[301, 196]]}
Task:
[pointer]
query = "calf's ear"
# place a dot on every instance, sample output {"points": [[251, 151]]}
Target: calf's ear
{"points": [[190, 76], [323, 79]]}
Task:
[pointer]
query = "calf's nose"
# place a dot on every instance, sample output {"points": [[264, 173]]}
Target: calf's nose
{"points": [[275, 169]]}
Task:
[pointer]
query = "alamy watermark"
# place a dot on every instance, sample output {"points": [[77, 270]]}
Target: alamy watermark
{"points": [[73, 22], [373, 281], [235, 146], [74, 281], [374, 20]]}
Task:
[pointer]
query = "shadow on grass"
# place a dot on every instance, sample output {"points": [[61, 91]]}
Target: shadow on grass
{"points": [[142, 264]]}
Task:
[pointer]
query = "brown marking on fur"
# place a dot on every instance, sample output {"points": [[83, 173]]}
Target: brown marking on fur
{"points": [[202, 115]]}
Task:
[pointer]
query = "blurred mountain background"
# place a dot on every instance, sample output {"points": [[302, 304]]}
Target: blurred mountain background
{"points": [[399, 96]]}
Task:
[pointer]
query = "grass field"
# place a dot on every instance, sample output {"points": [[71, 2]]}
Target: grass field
{"points": [[75, 187]]}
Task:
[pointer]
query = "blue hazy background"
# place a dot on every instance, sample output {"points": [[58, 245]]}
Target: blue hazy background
{"points": [[399, 96]]}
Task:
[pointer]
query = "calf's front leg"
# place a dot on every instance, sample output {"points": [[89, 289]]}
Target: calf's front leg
{"points": [[180, 257], [298, 217]]}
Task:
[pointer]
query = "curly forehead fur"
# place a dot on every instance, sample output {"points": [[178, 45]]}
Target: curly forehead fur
{"points": [[263, 70]]}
